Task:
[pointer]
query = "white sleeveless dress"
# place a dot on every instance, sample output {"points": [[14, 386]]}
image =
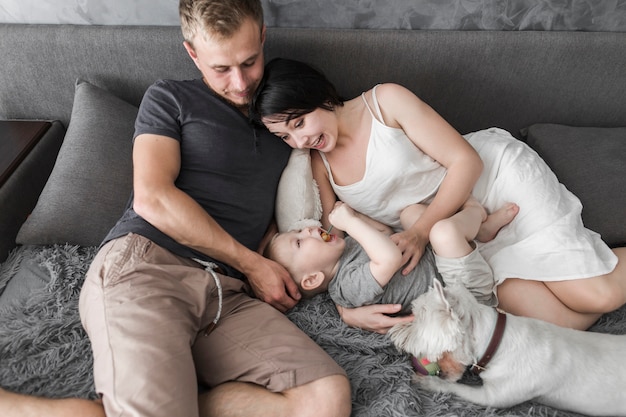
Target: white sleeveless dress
{"points": [[546, 241]]}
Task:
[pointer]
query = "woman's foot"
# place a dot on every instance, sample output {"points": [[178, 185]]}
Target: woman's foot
{"points": [[496, 221]]}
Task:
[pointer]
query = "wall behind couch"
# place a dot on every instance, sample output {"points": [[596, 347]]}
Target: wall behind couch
{"points": [[590, 15]]}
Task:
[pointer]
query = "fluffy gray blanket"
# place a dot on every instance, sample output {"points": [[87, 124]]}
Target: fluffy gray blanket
{"points": [[44, 350]]}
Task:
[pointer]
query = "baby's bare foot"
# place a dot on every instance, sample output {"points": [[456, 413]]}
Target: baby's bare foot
{"points": [[496, 221]]}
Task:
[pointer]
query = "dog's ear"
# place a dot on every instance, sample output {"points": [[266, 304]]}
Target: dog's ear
{"points": [[438, 288], [400, 335]]}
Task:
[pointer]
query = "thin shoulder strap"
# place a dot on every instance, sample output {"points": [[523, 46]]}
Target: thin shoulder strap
{"points": [[375, 100]]}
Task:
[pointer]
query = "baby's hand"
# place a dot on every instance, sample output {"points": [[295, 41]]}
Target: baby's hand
{"points": [[340, 215]]}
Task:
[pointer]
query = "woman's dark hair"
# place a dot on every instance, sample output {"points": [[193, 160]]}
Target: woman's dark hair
{"points": [[290, 89]]}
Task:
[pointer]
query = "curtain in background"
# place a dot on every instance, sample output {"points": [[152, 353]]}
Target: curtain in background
{"points": [[587, 15]]}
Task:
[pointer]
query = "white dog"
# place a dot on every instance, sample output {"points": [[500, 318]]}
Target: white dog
{"points": [[568, 369]]}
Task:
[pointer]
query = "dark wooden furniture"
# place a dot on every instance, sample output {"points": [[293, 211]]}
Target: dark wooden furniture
{"points": [[17, 138]]}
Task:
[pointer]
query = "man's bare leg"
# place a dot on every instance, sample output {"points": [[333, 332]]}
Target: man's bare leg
{"points": [[19, 405], [326, 397]]}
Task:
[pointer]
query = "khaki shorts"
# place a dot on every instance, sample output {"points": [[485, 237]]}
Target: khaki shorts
{"points": [[146, 310]]}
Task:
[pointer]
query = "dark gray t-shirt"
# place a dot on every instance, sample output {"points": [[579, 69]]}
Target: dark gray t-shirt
{"points": [[355, 286], [228, 165]]}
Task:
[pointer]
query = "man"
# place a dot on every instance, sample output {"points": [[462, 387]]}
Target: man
{"points": [[166, 302]]}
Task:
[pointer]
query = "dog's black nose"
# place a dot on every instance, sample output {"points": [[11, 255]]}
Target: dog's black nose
{"points": [[470, 378]]}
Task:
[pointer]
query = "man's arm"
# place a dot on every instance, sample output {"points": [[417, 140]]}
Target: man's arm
{"points": [[156, 165]]}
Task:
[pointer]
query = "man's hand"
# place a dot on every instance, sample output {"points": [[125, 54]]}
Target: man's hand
{"points": [[374, 318], [412, 248], [273, 284]]}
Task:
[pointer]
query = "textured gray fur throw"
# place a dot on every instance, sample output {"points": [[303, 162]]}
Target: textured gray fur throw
{"points": [[44, 350]]}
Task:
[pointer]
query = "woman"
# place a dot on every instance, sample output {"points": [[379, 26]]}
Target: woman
{"points": [[386, 149]]}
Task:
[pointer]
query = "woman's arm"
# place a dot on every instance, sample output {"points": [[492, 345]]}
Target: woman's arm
{"points": [[327, 195], [374, 318], [437, 139]]}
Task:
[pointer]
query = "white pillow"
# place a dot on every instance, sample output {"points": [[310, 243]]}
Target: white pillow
{"points": [[298, 202]]}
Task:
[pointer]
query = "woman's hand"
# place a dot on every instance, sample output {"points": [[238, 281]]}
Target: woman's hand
{"points": [[374, 318], [412, 246]]}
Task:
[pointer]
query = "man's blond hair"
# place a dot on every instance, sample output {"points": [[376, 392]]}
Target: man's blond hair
{"points": [[221, 18]]}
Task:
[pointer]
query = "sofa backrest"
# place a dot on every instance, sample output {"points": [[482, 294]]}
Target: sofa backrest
{"points": [[474, 79]]}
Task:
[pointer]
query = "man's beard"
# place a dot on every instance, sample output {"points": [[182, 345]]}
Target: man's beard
{"points": [[243, 107]]}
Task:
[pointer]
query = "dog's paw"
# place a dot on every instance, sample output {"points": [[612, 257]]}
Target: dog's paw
{"points": [[431, 383]]}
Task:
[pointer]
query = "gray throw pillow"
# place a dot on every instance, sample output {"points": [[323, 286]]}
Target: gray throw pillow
{"points": [[591, 163], [92, 177]]}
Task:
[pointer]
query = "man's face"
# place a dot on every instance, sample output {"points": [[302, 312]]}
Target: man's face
{"points": [[231, 67]]}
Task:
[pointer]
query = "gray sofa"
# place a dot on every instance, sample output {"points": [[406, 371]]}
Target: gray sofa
{"points": [[562, 92]]}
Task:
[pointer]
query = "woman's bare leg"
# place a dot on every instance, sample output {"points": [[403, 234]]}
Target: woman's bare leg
{"points": [[574, 303], [600, 294], [534, 299]]}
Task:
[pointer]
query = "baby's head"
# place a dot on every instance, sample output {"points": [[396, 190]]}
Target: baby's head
{"points": [[310, 259]]}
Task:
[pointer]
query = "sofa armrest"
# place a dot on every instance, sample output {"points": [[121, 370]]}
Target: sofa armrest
{"points": [[19, 194]]}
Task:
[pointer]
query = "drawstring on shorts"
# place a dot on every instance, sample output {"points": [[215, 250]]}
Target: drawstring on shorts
{"points": [[210, 268]]}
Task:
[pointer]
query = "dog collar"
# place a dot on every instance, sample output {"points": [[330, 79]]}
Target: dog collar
{"points": [[471, 375]]}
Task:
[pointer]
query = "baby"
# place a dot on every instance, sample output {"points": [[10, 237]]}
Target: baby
{"points": [[365, 267]]}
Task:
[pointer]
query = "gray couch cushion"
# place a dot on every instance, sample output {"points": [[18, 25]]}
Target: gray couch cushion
{"points": [[600, 184], [92, 177]]}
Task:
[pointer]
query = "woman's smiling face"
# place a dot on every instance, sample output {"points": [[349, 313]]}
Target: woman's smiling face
{"points": [[315, 130]]}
